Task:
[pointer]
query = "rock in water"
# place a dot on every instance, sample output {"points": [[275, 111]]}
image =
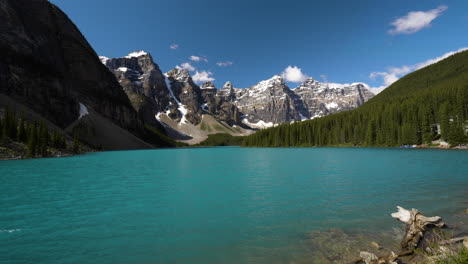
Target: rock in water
{"points": [[368, 257], [375, 245]]}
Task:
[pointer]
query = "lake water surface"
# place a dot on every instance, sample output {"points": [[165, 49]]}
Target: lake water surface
{"points": [[214, 205]]}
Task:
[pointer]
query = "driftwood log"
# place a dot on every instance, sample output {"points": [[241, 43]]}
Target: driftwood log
{"points": [[453, 240], [416, 225]]}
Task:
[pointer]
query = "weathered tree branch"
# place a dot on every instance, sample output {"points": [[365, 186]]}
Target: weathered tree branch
{"points": [[416, 225], [453, 240]]}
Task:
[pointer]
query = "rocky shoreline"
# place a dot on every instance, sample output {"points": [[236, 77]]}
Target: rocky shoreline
{"points": [[434, 244], [12, 150]]}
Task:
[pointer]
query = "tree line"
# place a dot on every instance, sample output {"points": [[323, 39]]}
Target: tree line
{"points": [[426, 105], [34, 135]]}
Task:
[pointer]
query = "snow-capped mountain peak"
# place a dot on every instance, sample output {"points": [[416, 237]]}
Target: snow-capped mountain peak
{"points": [[104, 59], [179, 74], [271, 101], [208, 85], [228, 85], [136, 54]]}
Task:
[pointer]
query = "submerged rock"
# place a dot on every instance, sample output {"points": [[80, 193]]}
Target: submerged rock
{"points": [[368, 257], [375, 245], [337, 246]]}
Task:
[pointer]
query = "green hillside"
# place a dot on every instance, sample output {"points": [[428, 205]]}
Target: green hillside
{"points": [[410, 111]]}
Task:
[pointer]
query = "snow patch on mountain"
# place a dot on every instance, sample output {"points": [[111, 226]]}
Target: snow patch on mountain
{"points": [[136, 54], [182, 109], [83, 111], [104, 59], [331, 105], [260, 124]]}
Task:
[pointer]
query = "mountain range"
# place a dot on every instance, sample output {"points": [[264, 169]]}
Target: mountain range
{"points": [[190, 112], [49, 72], [428, 107]]}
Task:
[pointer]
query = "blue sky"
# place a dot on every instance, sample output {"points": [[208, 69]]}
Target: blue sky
{"points": [[338, 41]]}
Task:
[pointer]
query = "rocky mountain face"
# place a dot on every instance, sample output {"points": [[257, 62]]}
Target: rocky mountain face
{"points": [[144, 84], [48, 67], [201, 100], [218, 106], [177, 96], [172, 99], [187, 94], [265, 104], [272, 102], [321, 99]]}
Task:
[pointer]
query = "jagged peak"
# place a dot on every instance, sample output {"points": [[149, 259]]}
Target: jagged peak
{"points": [[276, 77], [310, 80], [104, 59], [228, 85], [275, 81], [308, 83], [179, 74], [312, 83], [137, 54], [208, 85]]}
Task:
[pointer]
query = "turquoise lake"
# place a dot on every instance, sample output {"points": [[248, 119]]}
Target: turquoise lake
{"points": [[215, 205]]}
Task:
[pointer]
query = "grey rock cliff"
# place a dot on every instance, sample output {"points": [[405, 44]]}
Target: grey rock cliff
{"points": [[218, 106], [187, 93], [144, 84], [272, 102], [49, 66], [200, 100], [268, 101], [321, 99]]}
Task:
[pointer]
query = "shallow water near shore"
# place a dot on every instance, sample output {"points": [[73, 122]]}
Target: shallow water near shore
{"points": [[218, 205]]}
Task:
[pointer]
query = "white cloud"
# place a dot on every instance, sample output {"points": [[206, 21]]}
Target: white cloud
{"points": [[198, 58], [203, 76], [186, 66], [224, 63], [174, 46], [324, 78], [394, 73], [415, 21], [377, 90], [294, 74]]}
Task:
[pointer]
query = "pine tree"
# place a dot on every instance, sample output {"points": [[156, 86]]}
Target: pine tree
{"points": [[444, 120], [370, 135], [43, 138], [10, 124], [1, 128], [32, 140], [21, 130], [55, 139], [76, 145]]}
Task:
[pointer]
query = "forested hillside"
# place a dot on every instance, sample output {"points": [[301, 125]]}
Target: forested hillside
{"points": [[423, 106]]}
